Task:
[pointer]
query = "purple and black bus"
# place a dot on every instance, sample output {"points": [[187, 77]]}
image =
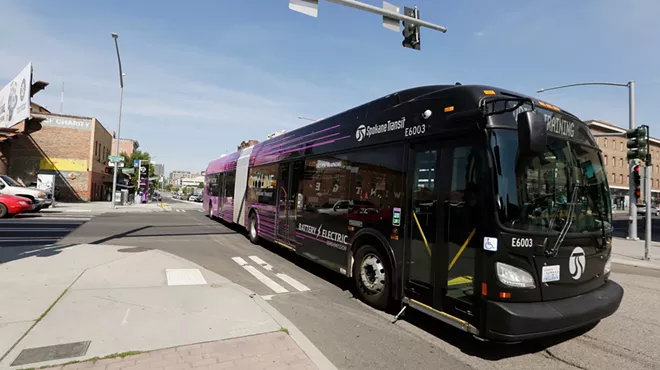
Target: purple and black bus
{"points": [[484, 208]]}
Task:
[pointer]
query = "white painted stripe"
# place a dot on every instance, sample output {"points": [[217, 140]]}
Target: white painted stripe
{"points": [[277, 288], [125, 319], [293, 282], [261, 263], [239, 260], [267, 297], [183, 210]]}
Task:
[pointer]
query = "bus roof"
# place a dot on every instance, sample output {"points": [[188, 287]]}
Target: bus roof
{"points": [[470, 95]]}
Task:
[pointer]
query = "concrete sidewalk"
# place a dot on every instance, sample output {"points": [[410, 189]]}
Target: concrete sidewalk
{"points": [[103, 207], [628, 252], [111, 303]]}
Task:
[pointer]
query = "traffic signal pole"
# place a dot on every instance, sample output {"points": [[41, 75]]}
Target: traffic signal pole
{"points": [[632, 210], [649, 215]]}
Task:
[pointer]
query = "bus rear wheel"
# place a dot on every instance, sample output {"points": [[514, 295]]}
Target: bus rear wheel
{"points": [[252, 229], [371, 276]]}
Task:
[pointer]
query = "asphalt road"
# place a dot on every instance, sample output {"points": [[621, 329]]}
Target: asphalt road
{"points": [[355, 336]]}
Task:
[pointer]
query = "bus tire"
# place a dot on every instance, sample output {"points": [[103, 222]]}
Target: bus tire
{"points": [[372, 277], [253, 228]]}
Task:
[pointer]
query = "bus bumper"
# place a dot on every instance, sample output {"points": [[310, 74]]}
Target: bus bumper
{"points": [[512, 322]]}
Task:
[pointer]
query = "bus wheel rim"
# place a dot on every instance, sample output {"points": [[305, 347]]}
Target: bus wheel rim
{"points": [[253, 229], [372, 273]]}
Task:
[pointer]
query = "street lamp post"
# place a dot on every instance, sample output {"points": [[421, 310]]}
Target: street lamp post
{"points": [[121, 98], [632, 215]]}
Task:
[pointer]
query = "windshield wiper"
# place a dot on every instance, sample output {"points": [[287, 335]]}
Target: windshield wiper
{"points": [[567, 226]]}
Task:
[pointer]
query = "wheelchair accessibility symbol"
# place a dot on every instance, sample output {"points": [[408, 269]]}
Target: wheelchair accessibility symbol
{"points": [[490, 244]]}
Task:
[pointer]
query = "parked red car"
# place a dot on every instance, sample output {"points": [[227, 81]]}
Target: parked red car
{"points": [[13, 205]]}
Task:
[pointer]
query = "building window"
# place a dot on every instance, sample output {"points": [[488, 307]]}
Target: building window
{"points": [[605, 140], [96, 149], [621, 160], [614, 178], [613, 161], [606, 158], [621, 179], [621, 146]]}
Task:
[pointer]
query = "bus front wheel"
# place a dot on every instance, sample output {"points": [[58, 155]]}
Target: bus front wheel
{"points": [[371, 276], [252, 229]]}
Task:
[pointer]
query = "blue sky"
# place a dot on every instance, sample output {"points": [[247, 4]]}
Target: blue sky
{"points": [[202, 76]]}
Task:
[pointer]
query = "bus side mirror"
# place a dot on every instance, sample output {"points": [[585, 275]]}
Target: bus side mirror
{"points": [[532, 133]]}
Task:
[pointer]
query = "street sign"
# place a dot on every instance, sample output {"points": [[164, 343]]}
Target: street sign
{"points": [[136, 163], [112, 164], [116, 158]]}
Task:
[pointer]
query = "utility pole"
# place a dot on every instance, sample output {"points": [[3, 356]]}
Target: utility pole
{"points": [[392, 18], [121, 98]]}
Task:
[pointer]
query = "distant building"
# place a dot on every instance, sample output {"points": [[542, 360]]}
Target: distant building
{"points": [[73, 148], [127, 146], [616, 164], [159, 169], [175, 176]]}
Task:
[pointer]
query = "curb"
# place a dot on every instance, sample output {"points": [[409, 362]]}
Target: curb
{"points": [[635, 263], [314, 354]]}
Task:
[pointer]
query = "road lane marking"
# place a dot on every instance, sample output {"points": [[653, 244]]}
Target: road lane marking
{"points": [[261, 263], [286, 278], [293, 282], [267, 297], [277, 288]]}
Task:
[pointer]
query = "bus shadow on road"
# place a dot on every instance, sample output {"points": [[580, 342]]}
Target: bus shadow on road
{"points": [[488, 350]]}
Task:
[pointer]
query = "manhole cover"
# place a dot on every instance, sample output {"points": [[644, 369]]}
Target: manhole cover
{"points": [[50, 353], [133, 250]]}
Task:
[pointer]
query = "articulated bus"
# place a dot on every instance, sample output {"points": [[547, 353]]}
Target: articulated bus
{"points": [[481, 207]]}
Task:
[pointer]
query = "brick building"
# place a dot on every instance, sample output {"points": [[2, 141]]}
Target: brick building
{"points": [[127, 146], [614, 156], [74, 148]]}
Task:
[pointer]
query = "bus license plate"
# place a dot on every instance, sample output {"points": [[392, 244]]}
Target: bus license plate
{"points": [[550, 273]]}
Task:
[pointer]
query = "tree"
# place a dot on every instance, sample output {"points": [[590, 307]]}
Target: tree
{"points": [[137, 154], [200, 185], [169, 187]]}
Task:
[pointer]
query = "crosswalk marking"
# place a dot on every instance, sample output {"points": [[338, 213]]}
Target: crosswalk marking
{"points": [[180, 210], [293, 282], [277, 288], [286, 278], [261, 263], [240, 261]]}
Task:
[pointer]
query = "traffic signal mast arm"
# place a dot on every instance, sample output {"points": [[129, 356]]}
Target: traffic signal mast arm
{"points": [[391, 17]]}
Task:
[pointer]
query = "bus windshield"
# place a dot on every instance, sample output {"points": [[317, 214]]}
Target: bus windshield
{"points": [[536, 193]]}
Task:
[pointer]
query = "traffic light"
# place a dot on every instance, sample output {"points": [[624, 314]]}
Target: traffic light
{"points": [[411, 34], [108, 170], [637, 182], [638, 143]]}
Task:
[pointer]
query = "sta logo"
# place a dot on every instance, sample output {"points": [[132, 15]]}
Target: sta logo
{"points": [[577, 263], [360, 133]]}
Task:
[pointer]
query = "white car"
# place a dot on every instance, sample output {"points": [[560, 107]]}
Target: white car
{"points": [[13, 187]]}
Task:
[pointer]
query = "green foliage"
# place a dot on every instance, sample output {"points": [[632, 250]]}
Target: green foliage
{"points": [[169, 187], [200, 185]]}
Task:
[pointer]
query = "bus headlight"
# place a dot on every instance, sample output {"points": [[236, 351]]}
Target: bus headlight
{"points": [[608, 265], [514, 276]]}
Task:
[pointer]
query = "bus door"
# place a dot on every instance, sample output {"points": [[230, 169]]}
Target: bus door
{"points": [[288, 188], [221, 194], [444, 240]]}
